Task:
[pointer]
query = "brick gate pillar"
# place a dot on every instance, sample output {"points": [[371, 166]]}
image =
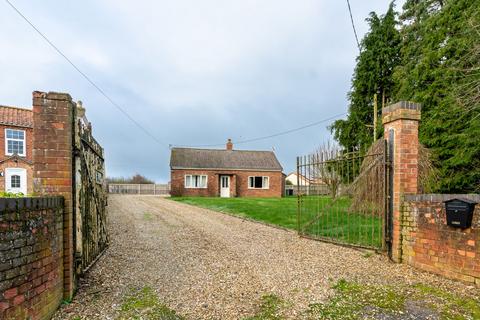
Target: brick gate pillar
{"points": [[52, 164], [400, 121]]}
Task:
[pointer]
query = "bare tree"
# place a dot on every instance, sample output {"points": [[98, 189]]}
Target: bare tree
{"points": [[136, 179], [468, 93], [325, 168]]}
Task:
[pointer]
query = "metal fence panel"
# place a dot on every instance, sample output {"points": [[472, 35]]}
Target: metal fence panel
{"points": [[345, 200], [90, 199]]}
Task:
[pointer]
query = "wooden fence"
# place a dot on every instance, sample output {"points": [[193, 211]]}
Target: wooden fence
{"points": [[164, 189], [153, 189], [291, 190]]}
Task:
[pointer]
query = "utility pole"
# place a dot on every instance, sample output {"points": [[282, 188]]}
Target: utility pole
{"points": [[383, 99], [375, 112]]}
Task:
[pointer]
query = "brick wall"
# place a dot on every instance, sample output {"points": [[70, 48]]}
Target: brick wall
{"points": [[429, 244], [31, 257], [52, 164], [238, 183], [37, 266]]}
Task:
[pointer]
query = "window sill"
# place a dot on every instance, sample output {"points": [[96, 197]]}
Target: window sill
{"points": [[18, 154]]}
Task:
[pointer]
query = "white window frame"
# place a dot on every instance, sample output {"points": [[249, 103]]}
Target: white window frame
{"points": [[24, 140], [199, 179], [19, 181], [22, 172], [265, 186]]}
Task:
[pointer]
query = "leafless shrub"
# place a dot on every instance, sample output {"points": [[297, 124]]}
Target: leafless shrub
{"points": [[325, 171], [368, 188], [427, 173], [467, 93]]}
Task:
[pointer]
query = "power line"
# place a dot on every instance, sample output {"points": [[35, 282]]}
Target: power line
{"points": [[125, 113], [103, 93], [353, 25], [269, 136]]}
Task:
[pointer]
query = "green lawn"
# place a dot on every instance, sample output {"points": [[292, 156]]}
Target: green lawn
{"points": [[278, 211], [333, 220], [337, 221]]}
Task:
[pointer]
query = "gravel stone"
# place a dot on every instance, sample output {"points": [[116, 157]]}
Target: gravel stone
{"points": [[208, 265]]}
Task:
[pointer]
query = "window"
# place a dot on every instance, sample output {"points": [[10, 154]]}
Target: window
{"points": [[99, 177], [15, 142], [195, 181], [258, 182], [15, 181], [224, 180]]}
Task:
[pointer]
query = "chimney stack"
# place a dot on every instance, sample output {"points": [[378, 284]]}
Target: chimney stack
{"points": [[229, 145]]}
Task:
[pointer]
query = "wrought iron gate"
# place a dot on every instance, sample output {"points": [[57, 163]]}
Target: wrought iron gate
{"points": [[343, 197], [90, 196]]}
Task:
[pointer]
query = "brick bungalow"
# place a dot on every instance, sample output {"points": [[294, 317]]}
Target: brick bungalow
{"points": [[16, 134], [225, 173]]}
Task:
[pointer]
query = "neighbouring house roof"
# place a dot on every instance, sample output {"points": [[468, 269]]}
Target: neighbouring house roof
{"points": [[189, 158], [13, 116], [312, 180], [300, 175], [292, 177]]}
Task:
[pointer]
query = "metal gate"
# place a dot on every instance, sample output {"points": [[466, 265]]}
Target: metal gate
{"points": [[343, 197], [90, 196]]}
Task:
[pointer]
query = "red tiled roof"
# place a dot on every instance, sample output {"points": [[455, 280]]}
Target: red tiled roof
{"points": [[14, 116]]}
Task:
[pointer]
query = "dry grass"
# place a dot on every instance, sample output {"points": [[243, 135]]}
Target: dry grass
{"points": [[368, 188]]}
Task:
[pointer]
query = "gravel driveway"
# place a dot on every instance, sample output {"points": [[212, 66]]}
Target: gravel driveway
{"points": [[207, 265]]}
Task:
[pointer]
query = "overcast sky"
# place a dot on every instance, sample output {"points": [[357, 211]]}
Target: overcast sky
{"points": [[190, 72]]}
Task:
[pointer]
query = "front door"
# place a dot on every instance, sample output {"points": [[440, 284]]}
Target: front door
{"points": [[16, 180], [225, 186]]}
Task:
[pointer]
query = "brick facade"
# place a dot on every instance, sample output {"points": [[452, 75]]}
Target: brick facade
{"points": [[14, 118], [238, 183], [31, 257], [37, 252], [430, 244], [401, 122], [52, 164]]}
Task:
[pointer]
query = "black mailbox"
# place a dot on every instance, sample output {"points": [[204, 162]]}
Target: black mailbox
{"points": [[460, 212]]}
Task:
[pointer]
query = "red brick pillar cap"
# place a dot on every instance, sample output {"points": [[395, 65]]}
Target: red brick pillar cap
{"points": [[52, 95], [401, 110]]}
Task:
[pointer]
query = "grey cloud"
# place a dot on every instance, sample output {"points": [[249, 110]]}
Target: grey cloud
{"points": [[191, 72]]}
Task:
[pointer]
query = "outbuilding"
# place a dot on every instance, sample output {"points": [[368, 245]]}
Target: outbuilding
{"points": [[225, 173]]}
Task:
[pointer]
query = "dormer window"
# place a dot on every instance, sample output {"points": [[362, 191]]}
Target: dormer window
{"points": [[14, 142]]}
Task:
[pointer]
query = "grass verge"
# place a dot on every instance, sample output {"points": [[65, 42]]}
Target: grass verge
{"points": [[147, 216], [143, 304], [277, 211], [353, 301], [449, 305], [357, 301], [270, 308], [333, 220]]}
